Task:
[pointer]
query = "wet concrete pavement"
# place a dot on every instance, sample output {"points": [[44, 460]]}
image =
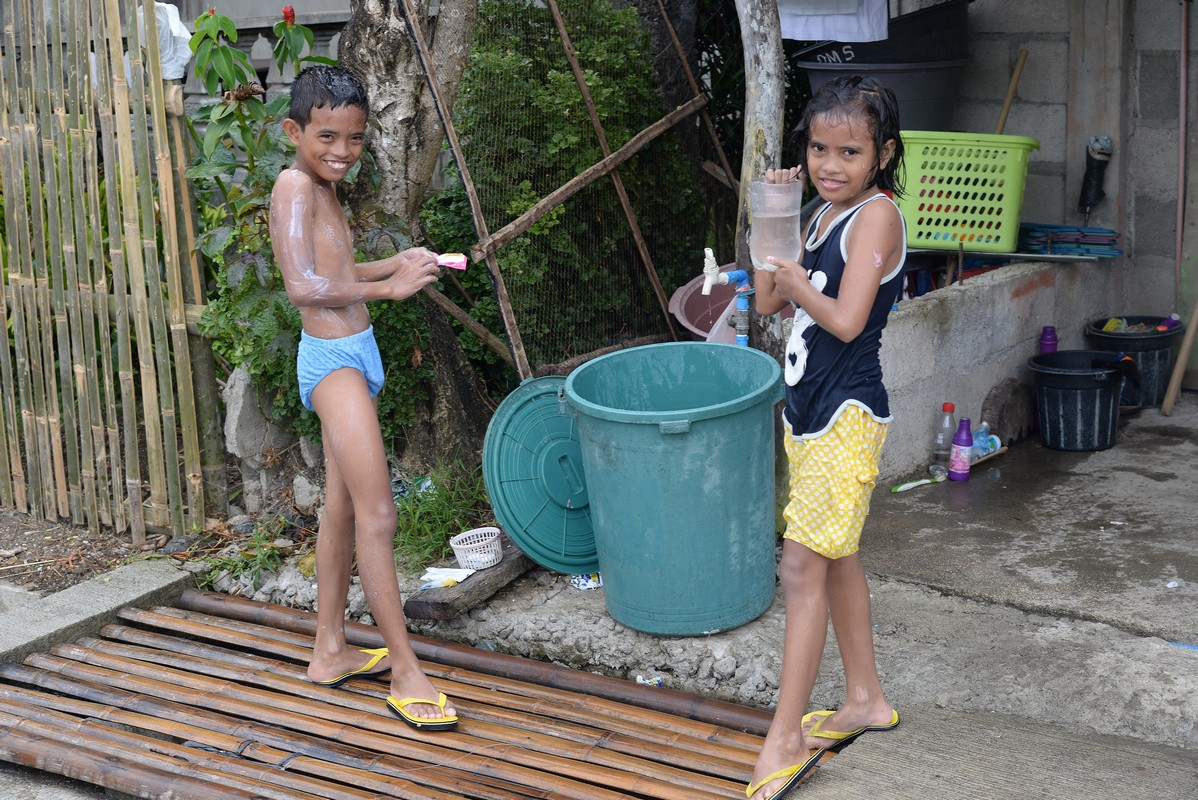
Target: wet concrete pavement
{"points": [[1108, 536]]}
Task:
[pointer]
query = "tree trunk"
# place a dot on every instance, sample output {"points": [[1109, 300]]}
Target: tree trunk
{"points": [[377, 43], [765, 102]]}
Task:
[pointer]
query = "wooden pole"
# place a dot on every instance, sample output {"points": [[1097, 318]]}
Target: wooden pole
{"points": [[496, 344], [203, 364], [86, 378], [1179, 365], [178, 350], [159, 414], [1014, 84], [1187, 342], [110, 320], [27, 331], [131, 273], [12, 472], [56, 169], [729, 177], [583, 179]]}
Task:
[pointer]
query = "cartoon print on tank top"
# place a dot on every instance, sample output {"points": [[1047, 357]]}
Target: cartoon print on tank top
{"points": [[795, 363]]}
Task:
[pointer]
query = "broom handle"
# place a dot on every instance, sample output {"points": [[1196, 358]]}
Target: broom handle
{"points": [[1179, 368], [1006, 106]]}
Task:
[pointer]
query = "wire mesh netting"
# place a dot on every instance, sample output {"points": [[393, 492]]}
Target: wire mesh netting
{"points": [[577, 279]]}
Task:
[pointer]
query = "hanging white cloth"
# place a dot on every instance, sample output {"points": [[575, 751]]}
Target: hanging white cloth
{"points": [[836, 20]]}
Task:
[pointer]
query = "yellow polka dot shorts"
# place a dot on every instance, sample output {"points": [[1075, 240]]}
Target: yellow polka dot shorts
{"points": [[831, 480]]}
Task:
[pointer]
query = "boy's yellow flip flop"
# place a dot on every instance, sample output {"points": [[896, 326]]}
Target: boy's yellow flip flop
{"points": [[444, 722], [376, 655]]}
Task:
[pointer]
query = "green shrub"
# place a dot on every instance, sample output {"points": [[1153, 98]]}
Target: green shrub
{"points": [[527, 131]]}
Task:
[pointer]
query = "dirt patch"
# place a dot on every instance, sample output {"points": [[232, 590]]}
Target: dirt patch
{"points": [[46, 557]]}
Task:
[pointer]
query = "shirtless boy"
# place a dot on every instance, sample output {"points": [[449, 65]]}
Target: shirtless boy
{"points": [[340, 375]]}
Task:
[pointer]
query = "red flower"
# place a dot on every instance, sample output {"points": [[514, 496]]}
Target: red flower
{"points": [[289, 14], [211, 11]]}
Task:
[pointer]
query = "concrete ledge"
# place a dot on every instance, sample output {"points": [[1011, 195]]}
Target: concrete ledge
{"points": [[86, 607], [958, 342]]}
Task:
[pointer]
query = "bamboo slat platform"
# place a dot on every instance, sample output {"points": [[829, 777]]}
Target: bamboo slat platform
{"points": [[209, 700]]}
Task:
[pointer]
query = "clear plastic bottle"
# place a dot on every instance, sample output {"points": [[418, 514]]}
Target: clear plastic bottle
{"points": [[942, 434], [958, 459], [981, 441]]}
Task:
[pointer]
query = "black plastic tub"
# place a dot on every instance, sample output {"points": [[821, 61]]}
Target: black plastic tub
{"points": [[1153, 351], [1077, 398], [926, 90]]}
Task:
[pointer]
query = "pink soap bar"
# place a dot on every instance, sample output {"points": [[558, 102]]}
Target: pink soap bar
{"points": [[452, 260]]}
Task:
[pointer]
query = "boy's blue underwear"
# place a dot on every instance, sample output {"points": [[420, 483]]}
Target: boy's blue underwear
{"points": [[317, 357]]}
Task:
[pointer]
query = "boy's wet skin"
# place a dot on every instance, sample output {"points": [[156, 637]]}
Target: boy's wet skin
{"points": [[340, 375]]}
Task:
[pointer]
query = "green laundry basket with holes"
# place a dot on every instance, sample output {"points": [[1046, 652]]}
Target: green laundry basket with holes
{"points": [[963, 189], [677, 447]]}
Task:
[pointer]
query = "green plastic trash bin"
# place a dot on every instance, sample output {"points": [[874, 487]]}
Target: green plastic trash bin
{"points": [[677, 445]]}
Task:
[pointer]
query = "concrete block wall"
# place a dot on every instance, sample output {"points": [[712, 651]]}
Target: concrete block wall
{"points": [[1095, 67], [1151, 179], [998, 30]]}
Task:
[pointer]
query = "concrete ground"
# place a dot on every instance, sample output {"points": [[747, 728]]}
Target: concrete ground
{"points": [[1037, 627]]}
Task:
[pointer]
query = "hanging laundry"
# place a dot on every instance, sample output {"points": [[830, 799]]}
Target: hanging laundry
{"points": [[838, 20]]}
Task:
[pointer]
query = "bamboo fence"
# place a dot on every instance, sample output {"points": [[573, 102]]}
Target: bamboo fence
{"points": [[98, 420]]}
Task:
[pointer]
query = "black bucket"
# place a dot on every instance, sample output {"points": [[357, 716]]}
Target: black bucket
{"points": [[1077, 398], [1152, 350]]}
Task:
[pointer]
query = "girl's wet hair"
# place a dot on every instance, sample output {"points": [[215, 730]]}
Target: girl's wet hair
{"points": [[850, 98], [322, 86]]}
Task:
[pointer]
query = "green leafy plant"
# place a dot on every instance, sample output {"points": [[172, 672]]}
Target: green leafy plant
{"points": [[265, 550], [433, 509], [517, 157]]}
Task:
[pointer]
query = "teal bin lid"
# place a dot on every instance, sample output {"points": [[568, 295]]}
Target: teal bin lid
{"points": [[532, 468]]}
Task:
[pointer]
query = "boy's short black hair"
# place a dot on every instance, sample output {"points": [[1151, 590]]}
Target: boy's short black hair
{"points": [[323, 86], [855, 97]]}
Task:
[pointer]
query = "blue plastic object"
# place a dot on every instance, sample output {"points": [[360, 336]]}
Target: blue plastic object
{"points": [[532, 469], [677, 445]]}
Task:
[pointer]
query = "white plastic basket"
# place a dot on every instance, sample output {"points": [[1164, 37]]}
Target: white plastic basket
{"points": [[477, 548]]}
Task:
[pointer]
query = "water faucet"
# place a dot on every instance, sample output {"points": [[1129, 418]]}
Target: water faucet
{"points": [[711, 271], [713, 277]]}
